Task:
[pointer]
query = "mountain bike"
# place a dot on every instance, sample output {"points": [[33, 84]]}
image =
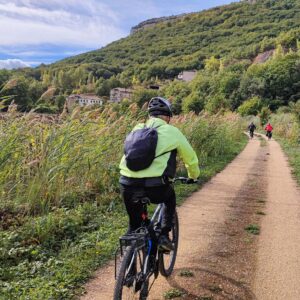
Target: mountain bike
{"points": [[139, 256]]}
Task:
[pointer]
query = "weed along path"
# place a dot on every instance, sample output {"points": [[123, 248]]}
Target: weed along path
{"points": [[239, 235]]}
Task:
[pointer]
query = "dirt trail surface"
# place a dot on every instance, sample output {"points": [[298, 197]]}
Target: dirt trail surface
{"points": [[278, 269], [222, 259]]}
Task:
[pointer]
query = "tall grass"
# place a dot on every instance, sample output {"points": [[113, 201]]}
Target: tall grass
{"points": [[287, 131], [60, 210], [49, 165], [60, 164], [287, 127]]}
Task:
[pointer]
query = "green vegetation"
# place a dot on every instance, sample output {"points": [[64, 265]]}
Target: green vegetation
{"points": [[259, 212], [261, 201], [186, 273], [221, 43], [253, 229], [60, 210], [173, 293], [287, 132], [215, 289]]}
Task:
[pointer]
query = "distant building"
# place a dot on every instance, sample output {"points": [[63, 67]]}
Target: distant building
{"points": [[83, 100], [187, 75], [118, 94]]}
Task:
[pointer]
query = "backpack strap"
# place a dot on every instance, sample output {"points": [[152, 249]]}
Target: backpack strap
{"points": [[163, 153]]}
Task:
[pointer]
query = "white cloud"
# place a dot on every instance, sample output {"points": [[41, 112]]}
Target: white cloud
{"points": [[12, 64], [48, 30], [70, 22]]}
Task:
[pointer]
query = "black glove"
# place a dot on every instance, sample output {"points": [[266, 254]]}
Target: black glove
{"points": [[190, 181]]}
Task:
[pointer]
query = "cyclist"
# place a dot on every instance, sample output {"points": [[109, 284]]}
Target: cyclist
{"points": [[154, 180], [269, 129], [251, 128]]}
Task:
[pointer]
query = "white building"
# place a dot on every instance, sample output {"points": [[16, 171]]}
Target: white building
{"points": [[187, 75], [83, 100]]}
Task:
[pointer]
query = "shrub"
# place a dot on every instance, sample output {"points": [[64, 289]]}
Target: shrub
{"points": [[264, 115], [250, 107]]}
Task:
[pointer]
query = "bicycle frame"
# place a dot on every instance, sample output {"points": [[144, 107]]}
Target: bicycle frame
{"points": [[157, 215], [141, 239], [141, 252]]}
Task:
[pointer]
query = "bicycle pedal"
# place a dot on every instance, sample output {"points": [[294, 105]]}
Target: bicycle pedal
{"points": [[164, 250], [138, 287], [129, 281], [138, 284]]}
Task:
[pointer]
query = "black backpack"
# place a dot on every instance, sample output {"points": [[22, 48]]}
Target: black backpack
{"points": [[252, 127], [139, 148]]}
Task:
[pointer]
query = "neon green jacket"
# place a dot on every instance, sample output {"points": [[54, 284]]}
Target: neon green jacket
{"points": [[170, 139]]}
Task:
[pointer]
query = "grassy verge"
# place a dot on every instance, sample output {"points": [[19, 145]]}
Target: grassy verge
{"points": [[287, 133], [293, 152], [59, 225]]}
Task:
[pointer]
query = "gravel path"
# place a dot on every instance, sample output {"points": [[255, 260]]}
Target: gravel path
{"points": [[278, 268], [226, 261]]}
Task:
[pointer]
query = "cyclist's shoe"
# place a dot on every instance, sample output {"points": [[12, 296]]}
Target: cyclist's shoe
{"points": [[165, 244]]}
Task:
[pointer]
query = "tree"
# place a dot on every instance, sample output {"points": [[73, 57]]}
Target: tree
{"points": [[80, 76], [60, 101], [295, 109], [264, 115], [4, 76], [289, 39], [250, 107], [65, 80], [102, 87], [141, 96], [91, 78], [176, 91], [135, 80], [194, 102], [18, 88], [35, 90], [279, 52], [216, 103], [212, 64]]}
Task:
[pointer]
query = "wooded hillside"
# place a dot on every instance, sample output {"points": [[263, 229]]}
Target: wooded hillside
{"points": [[233, 34]]}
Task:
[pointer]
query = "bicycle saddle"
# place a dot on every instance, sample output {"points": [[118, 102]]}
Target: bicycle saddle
{"points": [[140, 196]]}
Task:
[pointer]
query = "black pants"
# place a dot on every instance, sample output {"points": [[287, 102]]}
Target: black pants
{"points": [[158, 194]]}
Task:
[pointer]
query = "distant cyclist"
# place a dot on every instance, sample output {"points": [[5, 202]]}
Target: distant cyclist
{"points": [[269, 130], [251, 128], [150, 161]]}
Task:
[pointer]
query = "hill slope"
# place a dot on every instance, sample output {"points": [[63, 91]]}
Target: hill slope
{"points": [[212, 40], [235, 30]]}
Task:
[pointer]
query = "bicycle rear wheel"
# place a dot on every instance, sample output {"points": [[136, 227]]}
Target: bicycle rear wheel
{"points": [[130, 283], [167, 259]]}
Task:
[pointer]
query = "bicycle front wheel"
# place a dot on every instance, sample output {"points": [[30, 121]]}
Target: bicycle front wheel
{"points": [[130, 283], [167, 259]]}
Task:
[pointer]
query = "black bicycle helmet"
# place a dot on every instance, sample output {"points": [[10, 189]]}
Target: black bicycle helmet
{"points": [[159, 106]]}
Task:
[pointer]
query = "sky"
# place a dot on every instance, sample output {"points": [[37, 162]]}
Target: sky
{"points": [[43, 31]]}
